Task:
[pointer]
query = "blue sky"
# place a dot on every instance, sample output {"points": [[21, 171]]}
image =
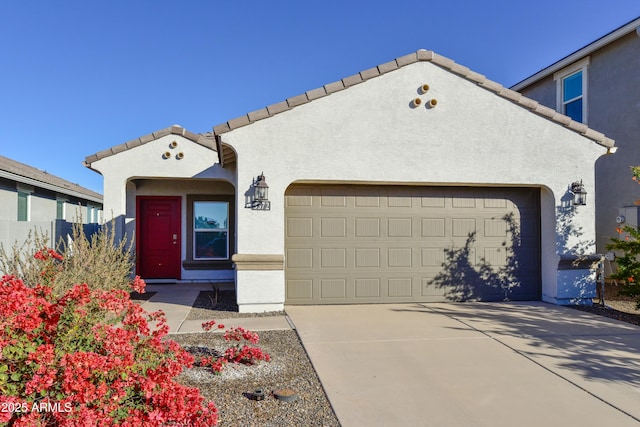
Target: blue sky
{"points": [[77, 77]]}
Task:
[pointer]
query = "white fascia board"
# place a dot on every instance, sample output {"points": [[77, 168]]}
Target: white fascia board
{"points": [[585, 51]]}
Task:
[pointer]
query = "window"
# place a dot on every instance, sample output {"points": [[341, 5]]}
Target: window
{"points": [[92, 214], [60, 209], [572, 96], [210, 230], [571, 84], [210, 233], [23, 206]]}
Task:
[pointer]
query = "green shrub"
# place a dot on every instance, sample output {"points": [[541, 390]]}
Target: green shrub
{"points": [[628, 264], [628, 271]]}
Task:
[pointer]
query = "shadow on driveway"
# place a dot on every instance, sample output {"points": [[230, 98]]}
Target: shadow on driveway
{"points": [[473, 364], [589, 347]]}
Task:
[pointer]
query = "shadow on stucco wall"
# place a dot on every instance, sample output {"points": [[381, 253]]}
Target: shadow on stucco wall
{"points": [[463, 280], [577, 269], [569, 233]]}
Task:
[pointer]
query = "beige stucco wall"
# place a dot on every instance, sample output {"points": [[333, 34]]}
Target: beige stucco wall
{"points": [[369, 133]]}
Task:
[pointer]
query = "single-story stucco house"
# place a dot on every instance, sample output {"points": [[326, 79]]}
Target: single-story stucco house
{"points": [[417, 180]]}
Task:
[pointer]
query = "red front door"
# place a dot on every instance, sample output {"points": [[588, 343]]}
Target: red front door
{"points": [[158, 237]]}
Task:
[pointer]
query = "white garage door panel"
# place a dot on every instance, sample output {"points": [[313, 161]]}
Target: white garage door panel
{"points": [[351, 244]]}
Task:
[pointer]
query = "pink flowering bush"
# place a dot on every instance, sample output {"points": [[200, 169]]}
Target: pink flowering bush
{"points": [[239, 352], [88, 358]]}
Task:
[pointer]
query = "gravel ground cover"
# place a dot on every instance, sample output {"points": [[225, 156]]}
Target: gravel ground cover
{"points": [[221, 305], [232, 390], [616, 306]]}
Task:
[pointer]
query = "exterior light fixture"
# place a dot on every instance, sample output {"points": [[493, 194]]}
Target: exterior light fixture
{"points": [[579, 193], [260, 194]]}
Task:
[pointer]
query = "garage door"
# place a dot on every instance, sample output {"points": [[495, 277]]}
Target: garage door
{"points": [[365, 244]]}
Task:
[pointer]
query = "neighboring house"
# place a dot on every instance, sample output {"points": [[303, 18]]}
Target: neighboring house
{"points": [[599, 85], [416, 180], [34, 199]]}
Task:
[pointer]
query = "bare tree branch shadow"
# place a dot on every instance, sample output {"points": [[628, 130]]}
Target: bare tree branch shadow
{"points": [[569, 240], [463, 280]]}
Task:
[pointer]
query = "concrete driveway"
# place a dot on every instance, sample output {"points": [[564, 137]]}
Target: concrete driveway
{"points": [[473, 364]]}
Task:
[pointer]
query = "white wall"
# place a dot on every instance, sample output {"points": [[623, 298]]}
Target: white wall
{"points": [[148, 161], [369, 133], [145, 170]]}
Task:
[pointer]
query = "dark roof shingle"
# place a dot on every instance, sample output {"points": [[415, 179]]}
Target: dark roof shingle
{"points": [[17, 170]]}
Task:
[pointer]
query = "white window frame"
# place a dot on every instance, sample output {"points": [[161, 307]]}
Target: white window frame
{"points": [[92, 214], [217, 230], [64, 202], [559, 76]]}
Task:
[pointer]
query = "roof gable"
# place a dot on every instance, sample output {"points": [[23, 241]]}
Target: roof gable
{"points": [[206, 140], [228, 156]]}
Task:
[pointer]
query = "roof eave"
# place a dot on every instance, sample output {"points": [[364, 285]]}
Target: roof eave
{"points": [[421, 55], [205, 140], [579, 54], [56, 188]]}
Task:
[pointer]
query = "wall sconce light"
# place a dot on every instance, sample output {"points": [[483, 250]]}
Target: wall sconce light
{"points": [[579, 193], [260, 194]]}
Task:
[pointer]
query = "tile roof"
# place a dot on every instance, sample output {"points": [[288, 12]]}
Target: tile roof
{"points": [[21, 172], [420, 55], [205, 139], [227, 155]]}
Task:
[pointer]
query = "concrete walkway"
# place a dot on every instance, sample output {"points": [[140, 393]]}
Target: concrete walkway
{"points": [[473, 364], [176, 302]]}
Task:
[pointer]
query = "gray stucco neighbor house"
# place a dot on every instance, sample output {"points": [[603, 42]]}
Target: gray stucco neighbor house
{"points": [[32, 198], [599, 85], [415, 180]]}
